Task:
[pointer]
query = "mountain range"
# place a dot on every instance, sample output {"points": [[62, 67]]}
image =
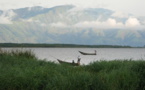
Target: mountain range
{"points": [[68, 24]]}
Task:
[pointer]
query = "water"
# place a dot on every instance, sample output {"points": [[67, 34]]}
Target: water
{"points": [[69, 54]]}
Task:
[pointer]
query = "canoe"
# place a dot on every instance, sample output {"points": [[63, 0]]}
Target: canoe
{"points": [[69, 63], [84, 53]]}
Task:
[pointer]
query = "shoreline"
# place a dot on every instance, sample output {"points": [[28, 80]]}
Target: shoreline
{"points": [[36, 45]]}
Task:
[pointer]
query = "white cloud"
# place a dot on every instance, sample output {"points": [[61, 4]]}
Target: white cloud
{"points": [[5, 20], [110, 23], [132, 22], [9, 13], [7, 16], [58, 24]]}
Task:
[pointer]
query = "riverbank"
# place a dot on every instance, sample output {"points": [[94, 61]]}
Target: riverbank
{"points": [[21, 70]]}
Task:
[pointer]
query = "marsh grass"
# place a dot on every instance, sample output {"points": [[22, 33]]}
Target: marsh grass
{"points": [[18, 53], [21, 70]]}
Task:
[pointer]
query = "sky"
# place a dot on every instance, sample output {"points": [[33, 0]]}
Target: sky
{"points": [[135, 7]]}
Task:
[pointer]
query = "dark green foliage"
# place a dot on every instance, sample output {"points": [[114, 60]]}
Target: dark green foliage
{"points": [[21, 71], [139, 67]]}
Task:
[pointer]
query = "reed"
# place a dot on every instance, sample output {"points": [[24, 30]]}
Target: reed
{"points": [[21, 70], [18, 53]]}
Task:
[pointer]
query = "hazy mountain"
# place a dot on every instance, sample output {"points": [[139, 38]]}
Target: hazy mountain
{"points": [[69, 24]]}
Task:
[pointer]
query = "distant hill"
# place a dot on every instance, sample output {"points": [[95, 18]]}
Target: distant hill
{"points": [[71, 25]]}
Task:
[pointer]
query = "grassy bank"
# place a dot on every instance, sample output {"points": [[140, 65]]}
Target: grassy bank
{"points": [[21, 70]]}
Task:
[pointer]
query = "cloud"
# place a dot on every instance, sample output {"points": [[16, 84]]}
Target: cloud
{"points": [[5, 20], [58, 24], [10, 13], [132, 22], [7, 16], [110, 23]]}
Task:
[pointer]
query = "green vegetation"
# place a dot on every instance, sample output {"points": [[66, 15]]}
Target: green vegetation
{"points": [[21, 70], [60, 45]]}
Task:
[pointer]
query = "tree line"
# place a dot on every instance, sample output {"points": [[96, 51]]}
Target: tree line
{"points": [[60, 45]]}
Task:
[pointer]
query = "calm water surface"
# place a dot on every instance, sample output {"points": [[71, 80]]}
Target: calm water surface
{"points": [[69, 54]]}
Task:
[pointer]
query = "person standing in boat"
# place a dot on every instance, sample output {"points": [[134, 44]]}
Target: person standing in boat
{"points": [[73, 61], [79, 59]]}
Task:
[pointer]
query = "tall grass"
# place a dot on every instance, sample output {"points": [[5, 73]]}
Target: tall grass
{"points": [[21, 70], [18, 53]]}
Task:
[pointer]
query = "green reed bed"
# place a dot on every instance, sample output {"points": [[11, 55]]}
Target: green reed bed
{"points": [[21, 70]]}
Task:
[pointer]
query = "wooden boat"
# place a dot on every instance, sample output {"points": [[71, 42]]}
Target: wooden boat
{"points": [[84, 53], [69, 63]]}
